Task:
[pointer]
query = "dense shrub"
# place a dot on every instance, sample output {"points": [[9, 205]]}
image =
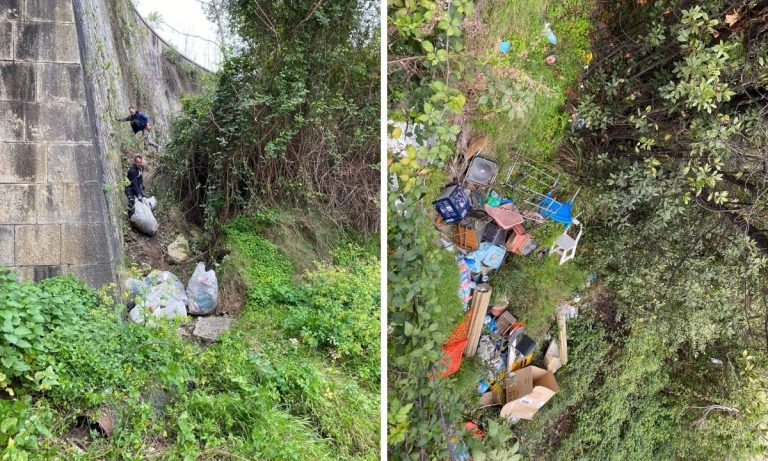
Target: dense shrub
{"points": [[30, 314], [292, 118], [338, 311]]}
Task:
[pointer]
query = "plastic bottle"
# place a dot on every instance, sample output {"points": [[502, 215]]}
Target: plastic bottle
{"points": [[550, 35]]}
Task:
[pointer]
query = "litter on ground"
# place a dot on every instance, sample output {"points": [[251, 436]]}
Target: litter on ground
{"points": [[483, 216]]}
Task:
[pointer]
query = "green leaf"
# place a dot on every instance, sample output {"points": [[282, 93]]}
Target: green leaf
{"points": [[7, 424]]}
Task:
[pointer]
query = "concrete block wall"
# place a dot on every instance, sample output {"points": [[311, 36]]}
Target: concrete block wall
{"points": [[53, 210]]}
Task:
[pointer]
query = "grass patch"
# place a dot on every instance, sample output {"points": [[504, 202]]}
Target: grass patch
{"points": [[538, 133], [534, 287]]}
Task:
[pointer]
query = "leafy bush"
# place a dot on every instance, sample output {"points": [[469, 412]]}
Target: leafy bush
{"points": [[20, 427], [292, 117], [30, 314], [339, 312]]}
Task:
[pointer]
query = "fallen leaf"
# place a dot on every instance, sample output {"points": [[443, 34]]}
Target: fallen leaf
{"points": [[732, 18]]}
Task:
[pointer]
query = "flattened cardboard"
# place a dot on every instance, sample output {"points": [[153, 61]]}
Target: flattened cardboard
{"points": [[544, 388]]}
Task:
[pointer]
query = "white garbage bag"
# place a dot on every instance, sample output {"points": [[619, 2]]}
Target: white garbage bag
{"points": [[203, 291], [144, 314], [162, 301], [173, 285], [152, 202], [143, 218]]}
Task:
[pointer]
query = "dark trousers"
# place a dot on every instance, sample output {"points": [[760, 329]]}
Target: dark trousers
{"points": [[131, 202]]}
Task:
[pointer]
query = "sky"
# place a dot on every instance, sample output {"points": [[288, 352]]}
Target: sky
{"points": [[185, 16]]}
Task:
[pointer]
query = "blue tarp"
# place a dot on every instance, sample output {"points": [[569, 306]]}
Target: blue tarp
{"points": [[556, 211], [489, 254]]}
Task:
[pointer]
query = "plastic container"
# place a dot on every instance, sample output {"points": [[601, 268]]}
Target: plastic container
{"points": [[550, 35], [452, 204]]}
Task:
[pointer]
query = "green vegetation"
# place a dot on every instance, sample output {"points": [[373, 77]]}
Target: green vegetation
{"points": [[293, 118], [667, 359], [264, 391]]}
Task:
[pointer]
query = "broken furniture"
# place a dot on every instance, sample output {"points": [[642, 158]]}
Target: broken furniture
{"points": [[506, 215], [565, 245], [550, 208], [452, 204], [467, 233]]}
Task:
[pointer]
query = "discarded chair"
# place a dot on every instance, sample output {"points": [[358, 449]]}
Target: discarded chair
{"points": [[565, 245], [550, 208]]}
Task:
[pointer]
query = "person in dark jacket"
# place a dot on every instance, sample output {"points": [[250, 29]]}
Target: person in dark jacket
{"points": [[135, 189], [140, 123]]}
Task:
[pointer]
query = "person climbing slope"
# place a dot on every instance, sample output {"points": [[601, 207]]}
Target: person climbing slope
{"points": [[135, 189], [140, 123]]}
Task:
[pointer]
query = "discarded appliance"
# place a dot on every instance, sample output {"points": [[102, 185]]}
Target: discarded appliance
{"points": [[528, 389], [481, 171], [452, 204]]}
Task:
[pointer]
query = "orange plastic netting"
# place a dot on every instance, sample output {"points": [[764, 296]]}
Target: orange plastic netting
{"points": [[455, 345]]}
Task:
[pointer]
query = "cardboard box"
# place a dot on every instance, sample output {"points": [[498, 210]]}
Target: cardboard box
{"points": [[535, 386], [519, 384]]}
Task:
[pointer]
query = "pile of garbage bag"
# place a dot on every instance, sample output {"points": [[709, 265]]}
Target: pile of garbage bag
{"points": [[162, 295]]}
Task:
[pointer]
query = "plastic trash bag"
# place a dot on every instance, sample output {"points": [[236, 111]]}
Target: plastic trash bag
{"points": [[203, 291], [143, 218], [173, 285], [152, 202], [144, 314], [162, 301]]}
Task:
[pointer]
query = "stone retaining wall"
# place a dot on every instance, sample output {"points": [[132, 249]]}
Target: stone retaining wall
{"points": [[52, 206]]}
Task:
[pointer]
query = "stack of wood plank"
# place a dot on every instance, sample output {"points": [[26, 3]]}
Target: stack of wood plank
{"points": [[480, 301]]}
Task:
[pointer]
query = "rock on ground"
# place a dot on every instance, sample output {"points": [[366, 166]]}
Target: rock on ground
{"points": [[209, 328], [179, 251]]}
